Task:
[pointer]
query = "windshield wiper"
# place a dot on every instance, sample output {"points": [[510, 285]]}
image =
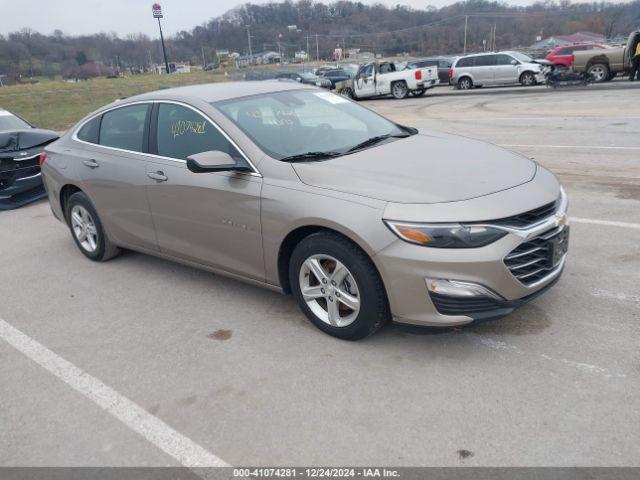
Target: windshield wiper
{"points": [[377, 139], [310, 156]]}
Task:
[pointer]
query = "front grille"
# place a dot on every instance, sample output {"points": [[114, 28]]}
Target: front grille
{"points": [[532, 260], [12, 169], [529, 218], [450, 305]]}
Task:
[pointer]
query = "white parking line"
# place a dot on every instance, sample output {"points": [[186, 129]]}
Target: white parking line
{"points": [[588, 147], [605, 223], [183, 449]]}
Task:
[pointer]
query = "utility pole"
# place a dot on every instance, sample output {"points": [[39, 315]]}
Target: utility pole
{"points": [[317, 50], [204, 63], [249, 39], [157, 13], [466, 21], [494, 36], [308, 54]]}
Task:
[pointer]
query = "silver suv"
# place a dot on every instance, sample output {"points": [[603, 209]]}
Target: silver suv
{"points": [[500, 68]]}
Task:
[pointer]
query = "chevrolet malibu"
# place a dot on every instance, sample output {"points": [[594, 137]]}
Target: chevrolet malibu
{"points": [[305, 192]]}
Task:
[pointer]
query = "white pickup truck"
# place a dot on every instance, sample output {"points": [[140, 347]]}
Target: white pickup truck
{"points": [[377, 79]]}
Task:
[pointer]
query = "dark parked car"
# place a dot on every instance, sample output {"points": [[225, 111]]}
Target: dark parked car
{"points": [[329, 78], [443, 64], [20, 147], [302, 77]]}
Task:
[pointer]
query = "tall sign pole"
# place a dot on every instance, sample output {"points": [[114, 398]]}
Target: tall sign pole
{"points": [[157, 13]]}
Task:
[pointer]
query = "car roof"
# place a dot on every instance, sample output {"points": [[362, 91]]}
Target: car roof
{"points": [[214, 92]]}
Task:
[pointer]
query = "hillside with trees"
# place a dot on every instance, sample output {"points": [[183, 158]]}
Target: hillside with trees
{"points": [[349, 24]]}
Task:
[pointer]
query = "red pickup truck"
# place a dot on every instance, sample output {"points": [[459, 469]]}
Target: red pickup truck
{"points": [[563, 56]]}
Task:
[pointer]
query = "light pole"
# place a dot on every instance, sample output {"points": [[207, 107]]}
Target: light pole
{"points": [[157, 13]]}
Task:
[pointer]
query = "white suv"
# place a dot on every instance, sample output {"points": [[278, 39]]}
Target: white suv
{"points": [[500, 68]]}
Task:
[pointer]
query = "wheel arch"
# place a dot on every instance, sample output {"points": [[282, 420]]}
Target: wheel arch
{"points": [[299, 233], [463, 76], [65, 192]]}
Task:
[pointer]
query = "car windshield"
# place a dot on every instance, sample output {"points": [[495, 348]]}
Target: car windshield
{"points": [[522, 57], [294, 123], [8, 121]]}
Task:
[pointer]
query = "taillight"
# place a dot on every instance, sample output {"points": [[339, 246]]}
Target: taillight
{"points": [[418, 74], [451, 72], [42, 158]]}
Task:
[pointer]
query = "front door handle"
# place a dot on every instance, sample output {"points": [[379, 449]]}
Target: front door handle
{"points": [[91, 163], [158, 176]]}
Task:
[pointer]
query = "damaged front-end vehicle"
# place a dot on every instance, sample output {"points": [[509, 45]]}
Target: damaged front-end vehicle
{"points": [[20, 147]]}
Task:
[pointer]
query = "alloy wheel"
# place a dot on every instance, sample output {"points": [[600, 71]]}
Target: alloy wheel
{"points": [[598, 73], [84, 228], [329, 290]]}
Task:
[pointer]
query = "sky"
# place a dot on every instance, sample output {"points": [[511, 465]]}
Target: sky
{"points": [[76, 17]]}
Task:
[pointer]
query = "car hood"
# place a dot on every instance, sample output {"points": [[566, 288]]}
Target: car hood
{"points": [[422, 168], [15, 140]]}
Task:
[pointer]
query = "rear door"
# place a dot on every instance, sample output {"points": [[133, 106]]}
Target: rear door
{"points": [[208, 218], [111, 164], [564, 56], [483, 71]]}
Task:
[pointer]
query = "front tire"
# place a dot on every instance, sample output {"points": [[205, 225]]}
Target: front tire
{"points": [[419, 92], [399, 90], [527, 79], [86, 229], [347, 92], [337, 287]]}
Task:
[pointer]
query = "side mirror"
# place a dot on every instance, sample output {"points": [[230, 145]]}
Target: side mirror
{"points": [[513, 62], [213, 161]]}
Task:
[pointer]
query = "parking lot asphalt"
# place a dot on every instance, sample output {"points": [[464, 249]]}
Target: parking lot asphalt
{"points": [[229, 370]]}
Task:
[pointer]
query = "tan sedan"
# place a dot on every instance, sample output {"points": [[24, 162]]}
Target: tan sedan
{"points": [[306, 192]]}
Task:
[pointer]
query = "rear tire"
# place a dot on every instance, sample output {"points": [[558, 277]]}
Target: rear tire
{"points": [[399, 90], [86, 229], [353, 307], [599, 72], [465, 83]]}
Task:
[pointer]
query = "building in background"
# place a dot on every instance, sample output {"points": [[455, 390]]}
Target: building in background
{"points": [[560, 40]]}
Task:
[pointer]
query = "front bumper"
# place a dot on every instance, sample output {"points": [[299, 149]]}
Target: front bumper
{"points": [[20, 181], [406, 270]]}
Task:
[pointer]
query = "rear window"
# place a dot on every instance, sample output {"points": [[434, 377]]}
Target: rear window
{"points": [[466, 62], [124, 128], [90, 131]]}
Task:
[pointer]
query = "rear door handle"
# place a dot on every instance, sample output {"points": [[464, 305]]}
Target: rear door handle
{"points": [[91, 163], [158, 176]]}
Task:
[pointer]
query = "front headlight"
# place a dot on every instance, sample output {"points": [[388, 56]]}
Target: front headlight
{"points": [[440, 235]]}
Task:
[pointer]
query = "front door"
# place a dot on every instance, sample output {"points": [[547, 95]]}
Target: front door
{"points": [[208, 218], [112, 169], [365, 81], [505, 70]]}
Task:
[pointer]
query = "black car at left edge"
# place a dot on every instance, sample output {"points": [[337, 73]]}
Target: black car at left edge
{"points": [[20, 148]]}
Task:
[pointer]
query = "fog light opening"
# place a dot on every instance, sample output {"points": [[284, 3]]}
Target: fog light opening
{"points": [[459, 288]]}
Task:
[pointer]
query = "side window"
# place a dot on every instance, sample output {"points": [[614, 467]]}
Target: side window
{"points": [[466, 62], [90, 131], [124, 127], [502, 59], [183, 132], [444, 64], [367, 71], [485, 60]]}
